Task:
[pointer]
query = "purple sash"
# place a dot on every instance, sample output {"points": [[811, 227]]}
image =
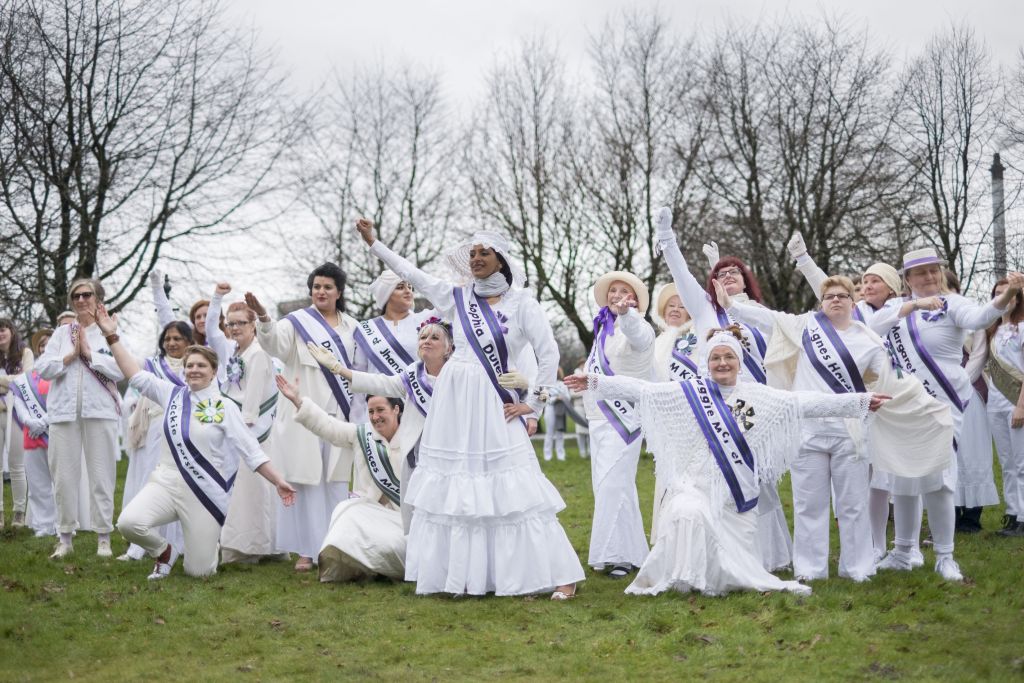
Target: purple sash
{"points": [[208, 485], [915, 359], [829, 356], [312, 327], [381, 347], [26, 393], [754, 364], [108, 384], [486, 338], [159, 366], [621, 415], [857, 315], [418, 387], [725, 440]]}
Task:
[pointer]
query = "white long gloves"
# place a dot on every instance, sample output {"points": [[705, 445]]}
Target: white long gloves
{"points": [[324, 357], [796, 246], [711, 252], [513, 379]]}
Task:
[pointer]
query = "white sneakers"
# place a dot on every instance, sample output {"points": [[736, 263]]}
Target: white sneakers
{"points": [[162, 569], [61, 551], [896, 560], [103, 548], [916, 557], [948, 569]]}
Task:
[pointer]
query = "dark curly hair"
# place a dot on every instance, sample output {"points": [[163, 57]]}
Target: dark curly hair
{"points": [[333, 271]]}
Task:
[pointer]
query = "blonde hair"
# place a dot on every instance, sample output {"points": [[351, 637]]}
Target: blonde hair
{"points": [[943, 282], [837, 281]]}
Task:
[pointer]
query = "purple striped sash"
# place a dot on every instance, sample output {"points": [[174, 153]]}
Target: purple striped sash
{"points": [[312, 327], [829, 356], [910, 351], [418, 387], [381, 347], [621, 415], [752, 338]]}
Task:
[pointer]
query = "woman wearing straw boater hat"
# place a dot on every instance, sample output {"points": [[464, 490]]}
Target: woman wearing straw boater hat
{"points": [[881, 287], [926, 335], [623, 345], [484, 515], [387, 344], [773, 529]]}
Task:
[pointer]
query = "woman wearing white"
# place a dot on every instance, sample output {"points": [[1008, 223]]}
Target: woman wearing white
{"points": [[833, 353], [387, 344], [739, 282], [319, 471], [706, 539], [15, 358], [204, 440], [926, 333], [623, 345], [84, 409], [248, 371], [28, 393], [145, 429], [1006, 406], [485, 517], [880, 289]]}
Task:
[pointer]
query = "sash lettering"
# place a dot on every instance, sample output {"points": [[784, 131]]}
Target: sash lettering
{"points": [[381, 347], [621, 415], [725, 440], [25, 390], [680, 364], [312, 327], [829, 356], [418, 387], [752, 339], [910, 352], [211, 488], [378, 461]]}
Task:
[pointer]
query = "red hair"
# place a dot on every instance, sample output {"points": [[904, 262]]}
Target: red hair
{"points": [[750, 286]]}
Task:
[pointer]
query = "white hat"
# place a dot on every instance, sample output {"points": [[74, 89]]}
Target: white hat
{"points": [[383, 287], [887, 274], [720, 339], [458, 257], [664, 294], [643, 297], [920, 257]]}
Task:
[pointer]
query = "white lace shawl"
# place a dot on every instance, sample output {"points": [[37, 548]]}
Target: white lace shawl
{"points": [[681, 454]]}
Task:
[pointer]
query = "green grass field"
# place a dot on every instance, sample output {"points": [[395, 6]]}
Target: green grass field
{"points": [[91, 619]]}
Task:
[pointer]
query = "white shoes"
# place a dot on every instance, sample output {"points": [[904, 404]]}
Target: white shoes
{"points": [[103, 548], [896, 560], [948, 569], [916, 557], [61, 551], [162, 569]]}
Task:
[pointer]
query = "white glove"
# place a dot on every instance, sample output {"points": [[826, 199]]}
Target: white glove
{"points": [[513, 380], [156, 278], [36, 429], [710, 250], [324, 357], [796, 246], [664, 230]]}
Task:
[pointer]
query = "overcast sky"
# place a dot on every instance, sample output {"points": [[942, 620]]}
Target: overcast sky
{"points": [[461, 38]]}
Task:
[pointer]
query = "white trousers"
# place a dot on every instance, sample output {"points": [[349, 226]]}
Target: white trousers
{"points": [[15, 462], [617, 534], [826, 460], [941, 519], [166, 497], [554, 440], [1010, 449], [42, 506], [98, 439]]}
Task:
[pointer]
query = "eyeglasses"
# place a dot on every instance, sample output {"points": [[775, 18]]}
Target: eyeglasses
{"points": [[729, 272], [81, 296], [235, 323], [841, 296]]}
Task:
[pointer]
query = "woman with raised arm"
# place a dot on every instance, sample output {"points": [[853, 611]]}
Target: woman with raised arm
{"points": [[248, 382], [926, 333], [204, 440], [319, 471], [623, 345], [197, 314], [145, 431], [15, 358], [485, 517], [84, 408], [715, 439], [829, 351], [738, 280], [387, 344]]}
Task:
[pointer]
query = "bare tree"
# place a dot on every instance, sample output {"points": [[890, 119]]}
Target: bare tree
{"points": [[518, 166], [127, 127], [382, 148], [949, 119]]}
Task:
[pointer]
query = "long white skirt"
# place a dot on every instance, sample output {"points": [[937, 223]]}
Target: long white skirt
{"points": [[617, 533], [773, 539], [365, 539], [301, 528], [249, 526], [975, 485], [713, 554], [484, 515]]}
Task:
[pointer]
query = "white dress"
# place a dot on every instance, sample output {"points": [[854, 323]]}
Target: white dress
{"points": [[1009, 344], [485, 516], [703, 543], [404, 331], [975, 485]]}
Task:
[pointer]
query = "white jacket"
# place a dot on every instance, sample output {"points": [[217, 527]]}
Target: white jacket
{"points": [[630, 352], [74, 392]]}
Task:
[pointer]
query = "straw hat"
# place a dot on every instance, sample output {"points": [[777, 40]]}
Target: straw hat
{"points": [[920, 257], [664, 294], [643, 297]]}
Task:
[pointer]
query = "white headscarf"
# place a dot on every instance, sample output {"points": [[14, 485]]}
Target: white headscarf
{"points": [[383, 287], [458, 257], [720, 339]]}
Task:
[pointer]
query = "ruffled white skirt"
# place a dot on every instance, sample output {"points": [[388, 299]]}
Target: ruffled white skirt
{"points": [[365, 539], [707, 553], [484, 515]]}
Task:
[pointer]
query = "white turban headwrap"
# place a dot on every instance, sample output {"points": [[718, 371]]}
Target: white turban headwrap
{"points": [[383, 287], [721, 339]]}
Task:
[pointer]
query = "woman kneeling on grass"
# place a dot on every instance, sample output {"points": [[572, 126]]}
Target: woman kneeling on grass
{"points": [[204, 438]]}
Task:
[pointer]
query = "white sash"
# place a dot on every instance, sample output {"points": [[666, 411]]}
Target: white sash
{"points": [[418, 387], [265, 420], [381, 347], [312, 327], [378, 461], [211, 488], [910, 352], [725, 440], [621, 414], [681, 365], [27, 393], [485, 336], [829, 356]]}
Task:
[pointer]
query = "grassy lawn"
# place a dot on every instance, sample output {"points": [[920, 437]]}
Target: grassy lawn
{"points": [[100, 620]]}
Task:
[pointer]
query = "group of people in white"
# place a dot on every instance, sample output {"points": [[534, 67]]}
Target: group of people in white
{"points": [[400, 445]]}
